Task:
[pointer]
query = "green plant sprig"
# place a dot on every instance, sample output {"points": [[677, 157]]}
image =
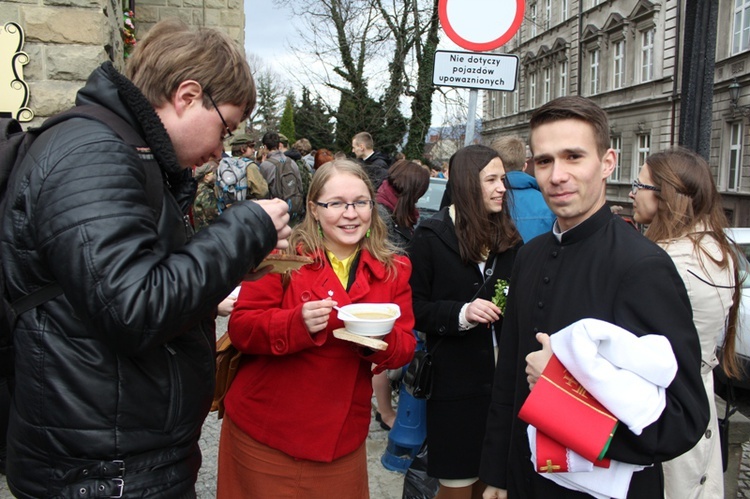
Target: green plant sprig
{"points": [[501, 294]]}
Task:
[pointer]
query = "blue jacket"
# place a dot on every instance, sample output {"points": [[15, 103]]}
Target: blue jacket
{"points": [[528, 210]]}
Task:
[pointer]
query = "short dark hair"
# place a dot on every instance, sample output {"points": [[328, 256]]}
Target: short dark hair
{"points": [[271, 140], [240, 149], [575, 108]]}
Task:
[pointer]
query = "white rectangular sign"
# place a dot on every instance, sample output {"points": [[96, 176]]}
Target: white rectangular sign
{"points": [[475, 70]]}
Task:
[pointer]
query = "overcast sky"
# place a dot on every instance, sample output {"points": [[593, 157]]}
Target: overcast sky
{"points": [[267, 26], [266, 29]]}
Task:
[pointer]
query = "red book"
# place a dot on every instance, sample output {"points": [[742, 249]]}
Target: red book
{"points": [[553, 457], [562, 409]]}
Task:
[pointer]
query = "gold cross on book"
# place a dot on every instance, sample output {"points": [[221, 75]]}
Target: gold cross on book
{"points": [[550, 468]]}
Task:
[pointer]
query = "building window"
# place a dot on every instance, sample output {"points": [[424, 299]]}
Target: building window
{"points": [[532, 17], [644, 147], [741, 31], [563, 88], [547, 14], [563, 10], [547, 84], [647, 55], [504, 106], [492, 97], [735, 156], [532, 90], [515, 102], [618, 72], [594, 72], [616, 144]]}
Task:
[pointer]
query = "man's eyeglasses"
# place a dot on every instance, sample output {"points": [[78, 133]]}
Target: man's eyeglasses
{"points": [[362, 205], [226, 126], [637, 185]]}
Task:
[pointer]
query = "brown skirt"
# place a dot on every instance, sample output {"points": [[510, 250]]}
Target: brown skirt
{"points": [[248, 468]]}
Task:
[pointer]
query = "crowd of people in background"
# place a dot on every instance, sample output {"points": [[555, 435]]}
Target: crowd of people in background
{"points": [[114, 366], [249, 171]]}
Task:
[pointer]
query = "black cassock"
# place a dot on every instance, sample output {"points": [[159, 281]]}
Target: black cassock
{"points": [[602, 269]]}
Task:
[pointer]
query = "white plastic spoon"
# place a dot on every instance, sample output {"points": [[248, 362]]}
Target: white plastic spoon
{"points": [[342, 312]]}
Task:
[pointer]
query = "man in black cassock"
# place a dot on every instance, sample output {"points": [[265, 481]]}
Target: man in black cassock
{"points": [[592, 265]]}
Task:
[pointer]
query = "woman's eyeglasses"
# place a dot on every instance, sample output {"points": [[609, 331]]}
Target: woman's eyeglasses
{"points": [[362, 205], [637, 185]]}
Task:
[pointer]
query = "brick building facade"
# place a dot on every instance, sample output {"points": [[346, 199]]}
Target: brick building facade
{"points": [[628, 56]]}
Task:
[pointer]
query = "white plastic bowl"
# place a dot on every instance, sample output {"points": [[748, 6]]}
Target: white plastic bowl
{"points": [[370, 326]]}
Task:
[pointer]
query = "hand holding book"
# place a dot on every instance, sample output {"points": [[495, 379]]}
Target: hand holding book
{"points": [[563, 410], [537, 361]]}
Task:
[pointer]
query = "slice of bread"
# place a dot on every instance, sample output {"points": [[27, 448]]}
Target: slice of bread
{"points": [[284, 263]]}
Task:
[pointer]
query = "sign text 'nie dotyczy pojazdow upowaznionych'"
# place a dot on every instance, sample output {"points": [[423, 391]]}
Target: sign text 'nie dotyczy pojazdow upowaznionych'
{"points": [[475, 70]]}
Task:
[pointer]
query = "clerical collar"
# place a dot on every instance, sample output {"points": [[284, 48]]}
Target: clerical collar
{"points": [[558, 233]]}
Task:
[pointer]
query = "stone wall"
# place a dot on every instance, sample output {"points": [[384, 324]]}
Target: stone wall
{"points": [[67, 39], [226, 15]]}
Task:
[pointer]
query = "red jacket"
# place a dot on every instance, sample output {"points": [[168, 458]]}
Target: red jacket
{"points": [[309, 395]]}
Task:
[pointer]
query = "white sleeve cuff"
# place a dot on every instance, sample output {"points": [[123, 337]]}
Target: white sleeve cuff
{"points": [[463, 322]]}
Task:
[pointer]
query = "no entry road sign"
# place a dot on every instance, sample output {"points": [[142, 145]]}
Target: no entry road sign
{"points": [[473, 70], [480, 25]]}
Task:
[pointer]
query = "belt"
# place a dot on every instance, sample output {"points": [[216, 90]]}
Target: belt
{"points": [[99, 489], [98, 479]]}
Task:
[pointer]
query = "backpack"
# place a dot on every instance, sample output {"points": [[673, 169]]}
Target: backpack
{"points": [[287, 186], [231, 180], [306, 175], [14, 144]]}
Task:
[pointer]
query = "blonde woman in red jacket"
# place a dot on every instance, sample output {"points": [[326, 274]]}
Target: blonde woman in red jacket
{"points": [[298, 412]]}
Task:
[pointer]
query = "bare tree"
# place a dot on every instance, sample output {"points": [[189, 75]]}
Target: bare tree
{"points": [[421, 105], [270, 91], [363, 48]]}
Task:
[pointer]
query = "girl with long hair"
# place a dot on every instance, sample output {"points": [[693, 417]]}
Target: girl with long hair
{"points": [[675, 195], [298, 411], [458, 256], [397, 200]]}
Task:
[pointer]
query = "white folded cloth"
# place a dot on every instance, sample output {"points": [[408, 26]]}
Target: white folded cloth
{"points": [[626, 373], [602, 483]]}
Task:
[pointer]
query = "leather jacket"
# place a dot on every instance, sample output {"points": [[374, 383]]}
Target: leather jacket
{"points": [[114, 377]]}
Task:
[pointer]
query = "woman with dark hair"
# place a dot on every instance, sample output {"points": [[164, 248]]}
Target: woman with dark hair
{"points": [[397, 199], [676, 196], [458, 256], [407, 181]]}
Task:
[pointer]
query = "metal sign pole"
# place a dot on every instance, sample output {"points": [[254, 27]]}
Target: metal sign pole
{"points": [[471, 117]]}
